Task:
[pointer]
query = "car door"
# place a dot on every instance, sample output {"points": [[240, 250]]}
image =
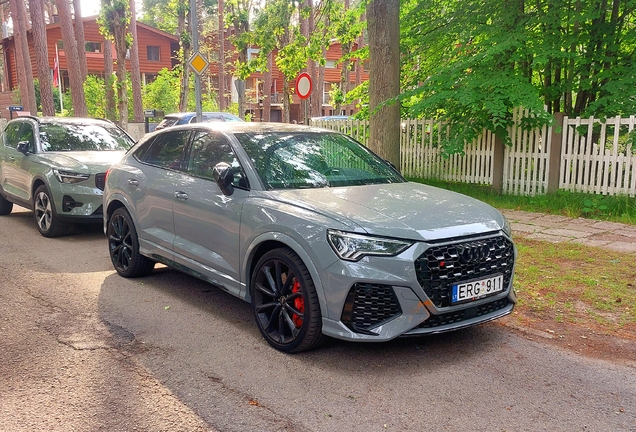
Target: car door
{"points": [[207, 222], [16, 173], [151, 189]]}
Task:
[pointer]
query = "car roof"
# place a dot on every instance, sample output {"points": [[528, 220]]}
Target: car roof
{"points": [[191, 114], [248, 127], [68, 120]]}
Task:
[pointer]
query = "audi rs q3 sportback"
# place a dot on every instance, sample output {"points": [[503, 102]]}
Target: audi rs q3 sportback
{"points": [[320, 235]]}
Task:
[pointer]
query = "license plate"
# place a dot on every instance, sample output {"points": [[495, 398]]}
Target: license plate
{"points": [[476, 289]]}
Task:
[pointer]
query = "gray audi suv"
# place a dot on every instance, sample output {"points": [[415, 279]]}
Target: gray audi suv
{"points": [[320, 235]]}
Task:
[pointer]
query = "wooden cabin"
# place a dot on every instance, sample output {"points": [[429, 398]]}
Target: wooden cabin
{"points": [[157, 50]]}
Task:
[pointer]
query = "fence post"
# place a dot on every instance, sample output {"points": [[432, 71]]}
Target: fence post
{"points": [[498, 165], [554, 158]]}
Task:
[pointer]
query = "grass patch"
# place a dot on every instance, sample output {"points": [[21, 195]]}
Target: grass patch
{"points": [[602, 207], [554, 282]]}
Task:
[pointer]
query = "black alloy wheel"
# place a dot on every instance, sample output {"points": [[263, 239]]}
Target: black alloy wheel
{"points": [[285, 303], [123, 246], [45, 215]]}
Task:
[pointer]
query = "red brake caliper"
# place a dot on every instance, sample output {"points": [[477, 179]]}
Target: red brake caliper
{"points": [[299, 304]]}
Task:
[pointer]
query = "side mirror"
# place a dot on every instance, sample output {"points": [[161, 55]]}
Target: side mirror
{"points": [[224, 177], [23, 147]]}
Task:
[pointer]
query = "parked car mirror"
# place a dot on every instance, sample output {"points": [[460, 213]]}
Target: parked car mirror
{"points": [[23, 147], [224, 177]]}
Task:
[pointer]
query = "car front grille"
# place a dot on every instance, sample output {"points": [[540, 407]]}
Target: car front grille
{"points": [[439, 267], [455, 317], [369, 305], [100, 180]]}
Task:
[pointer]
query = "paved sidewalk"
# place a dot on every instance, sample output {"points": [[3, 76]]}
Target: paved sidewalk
{"points": [[552, 228]]}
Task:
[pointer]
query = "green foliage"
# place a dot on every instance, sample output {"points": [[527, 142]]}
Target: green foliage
{"points": [[163, 92], [470, 62], [95, 92], [114, 19]]}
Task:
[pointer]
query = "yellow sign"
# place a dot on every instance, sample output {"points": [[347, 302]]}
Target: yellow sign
{"points": [[198, 63]]}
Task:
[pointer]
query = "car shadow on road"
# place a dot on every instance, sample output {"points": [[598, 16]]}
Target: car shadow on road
{"points": [[167, 291]]}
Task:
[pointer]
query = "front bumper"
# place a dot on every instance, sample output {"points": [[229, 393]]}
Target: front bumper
{"points": [[378, 299], [81, 202]]}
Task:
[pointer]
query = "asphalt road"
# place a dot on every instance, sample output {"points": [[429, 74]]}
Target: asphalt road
{"points": [[84, 349]]}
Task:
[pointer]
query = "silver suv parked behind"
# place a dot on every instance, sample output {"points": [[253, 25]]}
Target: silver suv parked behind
{"points": [[57, 166], [319, 234]]}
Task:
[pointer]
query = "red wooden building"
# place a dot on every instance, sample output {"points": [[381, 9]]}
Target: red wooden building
{"points": [[157, 50]]}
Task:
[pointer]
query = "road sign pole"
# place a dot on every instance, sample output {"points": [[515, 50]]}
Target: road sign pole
{"points": [[195, 46]]}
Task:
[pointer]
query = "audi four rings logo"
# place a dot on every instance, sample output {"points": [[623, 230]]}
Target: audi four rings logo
{"points": [[473, 253]]}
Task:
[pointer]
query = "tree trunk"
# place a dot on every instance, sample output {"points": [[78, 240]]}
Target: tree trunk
{"points": [[72, 59], [221, 77], [384, 81], [122, 80], [42, 57], [344, 75], [109, 80], [241, 27], [285, 100], [320, 85], [316, 93], [267, 90], [135, 71], [23, 59], [183, 29], [359, 62], [78, 26]]}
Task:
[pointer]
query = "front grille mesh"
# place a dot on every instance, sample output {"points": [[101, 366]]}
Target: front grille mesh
{"points": [[369, 305], [439, 267], [100, 180]]}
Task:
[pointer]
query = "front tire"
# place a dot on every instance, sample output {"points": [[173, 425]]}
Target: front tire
{"points": [[123, 246], [5, 206], [46, 218], [285, 303]]}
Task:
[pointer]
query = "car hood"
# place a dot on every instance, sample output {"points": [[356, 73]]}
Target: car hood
{"points": [[402, 210], [82, 161]]}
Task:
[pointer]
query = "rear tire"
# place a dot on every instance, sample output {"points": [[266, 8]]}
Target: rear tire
{"points": [[285, 303], [46, 218], [5, 206], [123, 246]]}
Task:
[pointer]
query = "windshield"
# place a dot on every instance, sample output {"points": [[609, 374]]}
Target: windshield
{"points": [[82, 137], [293, 160]]}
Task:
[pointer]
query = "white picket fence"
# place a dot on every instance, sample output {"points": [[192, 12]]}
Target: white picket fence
{"points": [[595, 155]]}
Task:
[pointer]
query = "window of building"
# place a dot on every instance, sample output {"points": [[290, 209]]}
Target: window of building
{"points": [[330, 64], [153, 53], [94, 47]]}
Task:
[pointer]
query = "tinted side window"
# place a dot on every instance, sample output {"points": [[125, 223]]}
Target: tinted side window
{"points": [[166, 150], [11, 135], [209, 149], [26, 134]]}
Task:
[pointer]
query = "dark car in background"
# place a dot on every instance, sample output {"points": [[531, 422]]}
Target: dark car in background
{"points": [[56, 166], [322, 236], [178, 119]]}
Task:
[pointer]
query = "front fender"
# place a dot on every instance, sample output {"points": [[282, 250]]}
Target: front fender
{"points": [[298, 250]]}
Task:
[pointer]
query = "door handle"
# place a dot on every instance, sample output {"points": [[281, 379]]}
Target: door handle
{"points": [[133, 182], [181, 196]]}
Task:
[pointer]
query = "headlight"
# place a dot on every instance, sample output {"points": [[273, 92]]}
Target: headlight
{"points": [[352, 247], [70, 177], [506, 227]]}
